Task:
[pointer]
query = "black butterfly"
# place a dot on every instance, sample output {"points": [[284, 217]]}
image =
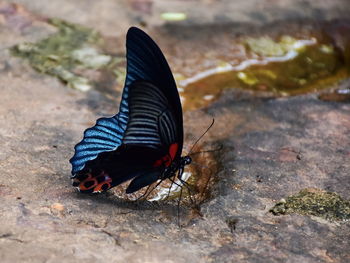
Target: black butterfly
{"points": [[144, 140]]}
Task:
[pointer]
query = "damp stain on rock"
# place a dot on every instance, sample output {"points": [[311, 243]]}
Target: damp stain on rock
{"points": [[315, 202], [199, 177], [285, 66], [339, 93], [70, 54]]}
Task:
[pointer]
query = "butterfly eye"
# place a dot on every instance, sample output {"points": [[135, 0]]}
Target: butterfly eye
{"points": [[187, 160]]}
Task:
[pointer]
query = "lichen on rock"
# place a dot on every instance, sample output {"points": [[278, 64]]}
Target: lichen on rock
{"points": [[314, 202], [71, 47]]}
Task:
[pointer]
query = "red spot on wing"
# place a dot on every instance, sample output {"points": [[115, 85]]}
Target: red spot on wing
{"points": [[93, 183], [173, 150], [158, 163], [169, 157], [105, 185]]}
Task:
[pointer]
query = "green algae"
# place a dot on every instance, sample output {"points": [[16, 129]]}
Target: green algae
{"points": [[172, 16], [266, 46], [280, 68], [72, 47], [298, 75], [315, 202]]}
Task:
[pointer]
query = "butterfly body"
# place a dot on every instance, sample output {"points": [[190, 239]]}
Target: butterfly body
{"points": [[144, 141]]}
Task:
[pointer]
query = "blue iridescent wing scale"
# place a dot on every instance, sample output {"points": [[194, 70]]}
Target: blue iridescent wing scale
{"points": [[106, 135]]}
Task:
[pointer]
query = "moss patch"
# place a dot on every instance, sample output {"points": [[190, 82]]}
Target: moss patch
{"points": [[315, 202], [72, 48], [266, 46]]}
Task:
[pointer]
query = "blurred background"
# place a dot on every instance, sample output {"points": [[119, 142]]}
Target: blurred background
{"points": [[106, 15], [272, 47]]}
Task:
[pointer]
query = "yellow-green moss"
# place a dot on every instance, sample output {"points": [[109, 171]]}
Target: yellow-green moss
{"points": [[315, 202], [266, 46]]}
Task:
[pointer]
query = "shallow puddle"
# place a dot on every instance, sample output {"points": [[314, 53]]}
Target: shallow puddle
{"points": [[285, 67]]}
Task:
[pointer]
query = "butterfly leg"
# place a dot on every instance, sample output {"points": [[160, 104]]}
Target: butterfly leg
{"points": [[147, 193], [188, 186], [173, 182], [178, 208]]}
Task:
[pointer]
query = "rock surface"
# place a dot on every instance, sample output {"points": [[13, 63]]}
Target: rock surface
{"points": [[272, 148]]}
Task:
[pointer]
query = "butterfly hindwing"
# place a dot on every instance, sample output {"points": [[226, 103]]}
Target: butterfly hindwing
{"points": [[106, 135], [115, 167]]}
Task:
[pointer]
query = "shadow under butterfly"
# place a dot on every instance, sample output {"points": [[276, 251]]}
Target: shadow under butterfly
{"points": [[143, 142]]}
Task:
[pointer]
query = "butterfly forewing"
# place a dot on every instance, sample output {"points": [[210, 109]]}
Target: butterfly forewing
{"points": [[151, 119], [149, 62]]}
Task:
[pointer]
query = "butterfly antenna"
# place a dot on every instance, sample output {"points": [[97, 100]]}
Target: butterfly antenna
{"points": [[211, 125]]}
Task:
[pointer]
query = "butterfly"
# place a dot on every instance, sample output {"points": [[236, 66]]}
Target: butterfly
{"points": [[143, 142]]}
